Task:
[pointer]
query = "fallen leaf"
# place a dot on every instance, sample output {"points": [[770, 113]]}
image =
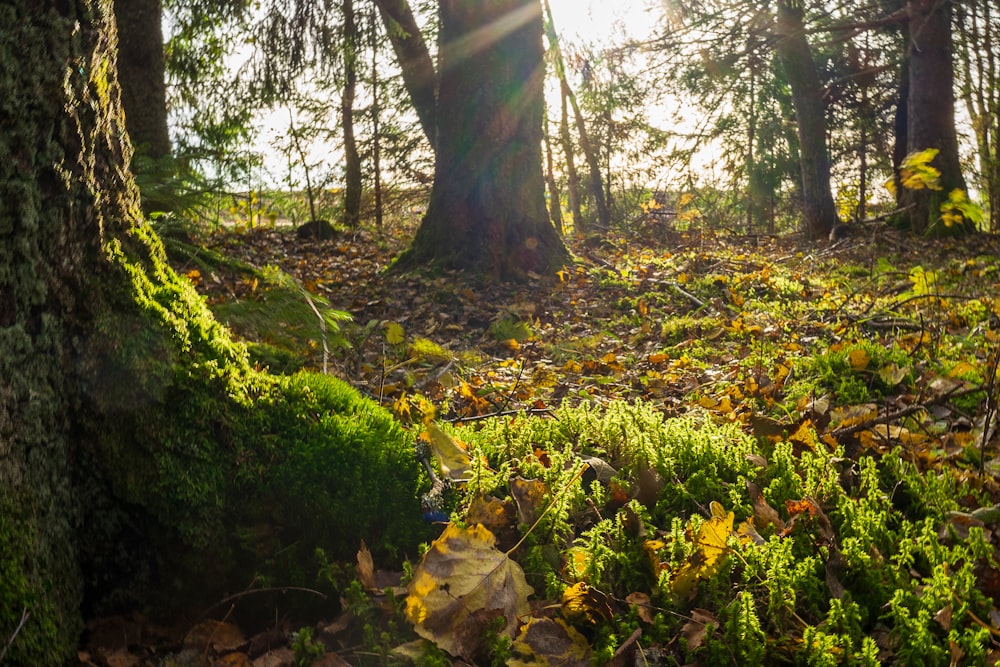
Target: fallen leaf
{"points": [[544, 641], [697, 626], [859, 359], [462, 582], [583, 604], [642, 604], [366, 567], [529, 495], [450, 454], [710, 548]]}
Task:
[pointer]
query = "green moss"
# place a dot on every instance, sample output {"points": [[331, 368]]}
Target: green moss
{"points": [[30, 616]]}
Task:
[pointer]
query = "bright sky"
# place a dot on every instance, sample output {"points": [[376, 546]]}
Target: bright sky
{"points": [[597, 20]]}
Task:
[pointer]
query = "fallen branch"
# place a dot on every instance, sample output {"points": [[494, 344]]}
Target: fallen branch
{"points": [[25, 615]]}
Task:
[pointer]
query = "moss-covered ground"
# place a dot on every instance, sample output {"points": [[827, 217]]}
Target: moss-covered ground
{"points": [[741, 453]]}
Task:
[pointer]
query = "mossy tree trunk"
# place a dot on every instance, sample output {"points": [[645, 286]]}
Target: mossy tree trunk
{"points": [[141, 458], [487, 209], [931, 111], [818, 209], [63, 194]]}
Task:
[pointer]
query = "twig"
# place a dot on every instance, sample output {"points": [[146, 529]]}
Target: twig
{"points": [[552, 503], [503, 413], [322, 326], [273, 589], [992, 396], [25, 615]]}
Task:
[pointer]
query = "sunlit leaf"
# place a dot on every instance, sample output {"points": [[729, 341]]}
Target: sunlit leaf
{"points": [[710, 547], [461, 585], [394, 334], [859, 359], [583, 604], [450, 453]]}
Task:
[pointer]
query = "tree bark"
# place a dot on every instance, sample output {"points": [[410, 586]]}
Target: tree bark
{"points": [[487, 209], [141, 72], [352, 159], [818, 209], [931, 110], [137, 456], [60, 152], [415, 60], [572, 174]]}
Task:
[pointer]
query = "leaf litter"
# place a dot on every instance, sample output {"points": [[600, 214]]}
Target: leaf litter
{"points": [[720, 325]]}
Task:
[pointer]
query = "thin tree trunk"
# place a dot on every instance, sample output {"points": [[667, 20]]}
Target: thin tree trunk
{"points": [[572, 174], [376, 125], [555, 203], [596, 180], [818, 209], [931, 108], [352, 159], [415, 61]]}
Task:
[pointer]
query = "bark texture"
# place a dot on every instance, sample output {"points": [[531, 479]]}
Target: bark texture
{"points": [[818, 209], [487, 209], [141, 73], [931, 110], [139, 452], [415, 61], [352, 158], [60, 152]]}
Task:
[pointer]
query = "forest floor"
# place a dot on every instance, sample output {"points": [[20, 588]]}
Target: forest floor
{"points": [[879, 343]]}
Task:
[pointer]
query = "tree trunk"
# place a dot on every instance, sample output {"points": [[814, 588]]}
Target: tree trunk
{"points": [[137, 455], [555, 199], [819, 211], [414, 59], [376, 123], [572, 175], [352, 159], [979, 29], [931, 111], [141, 71], [487, 208]]}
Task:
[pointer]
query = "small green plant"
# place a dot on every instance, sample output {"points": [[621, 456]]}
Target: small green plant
{"points": [[307, 650]]}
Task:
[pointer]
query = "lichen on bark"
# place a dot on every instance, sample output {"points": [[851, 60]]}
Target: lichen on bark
{"points": [[141, 457]]}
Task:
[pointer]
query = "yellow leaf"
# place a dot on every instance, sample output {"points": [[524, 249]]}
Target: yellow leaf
{"points": [[583, 604], [394, 334], [461, 582], [450, 453], [859, 359], [711, 546], [577, 561]]}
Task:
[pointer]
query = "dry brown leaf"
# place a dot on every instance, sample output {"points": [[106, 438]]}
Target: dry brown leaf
{"points": [[695, 629], [460, 586], [216, 635], [529, 496], [366, 567], [643, 605], [544, 641]]}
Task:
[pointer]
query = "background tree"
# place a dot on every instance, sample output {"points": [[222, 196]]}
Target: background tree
{"points": [[142, 72], [819, 213], [979, 81], [487, 208], [931, 110]]}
